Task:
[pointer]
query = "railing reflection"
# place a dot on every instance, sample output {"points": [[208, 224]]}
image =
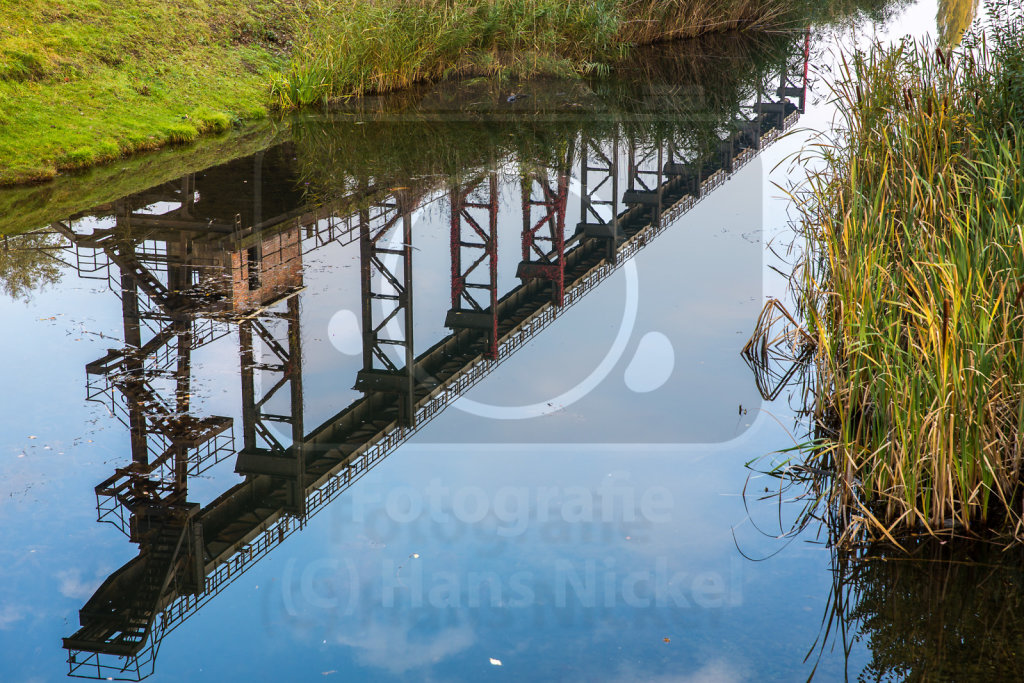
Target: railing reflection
{"points": [[195, 259]]}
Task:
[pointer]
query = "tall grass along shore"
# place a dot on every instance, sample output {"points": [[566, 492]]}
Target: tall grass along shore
{"points": [[913, 289], [83, 82], [350, 47]]}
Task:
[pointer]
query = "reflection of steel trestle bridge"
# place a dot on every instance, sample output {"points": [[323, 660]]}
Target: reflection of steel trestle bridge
{"points": [[184, 280]]}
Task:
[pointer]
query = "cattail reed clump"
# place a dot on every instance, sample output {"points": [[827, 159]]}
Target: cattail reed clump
{"points": [[911, 288]]}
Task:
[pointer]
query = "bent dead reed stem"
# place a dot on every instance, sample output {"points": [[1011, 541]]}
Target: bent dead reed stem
{"points": [[916, 261]]}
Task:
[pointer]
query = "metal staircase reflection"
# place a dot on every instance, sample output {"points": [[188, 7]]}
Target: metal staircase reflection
{"points": [[189, 555], [119, 618]]}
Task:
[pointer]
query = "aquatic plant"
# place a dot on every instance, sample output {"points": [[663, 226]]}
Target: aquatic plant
{"points": [[351, 47], [913, 289], [929, 611]]}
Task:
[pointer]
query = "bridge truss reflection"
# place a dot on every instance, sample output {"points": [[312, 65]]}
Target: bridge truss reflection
{"points": [[214, 253]]}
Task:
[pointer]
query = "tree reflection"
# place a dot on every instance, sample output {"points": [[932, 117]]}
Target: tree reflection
{"points": [[27, 265], [954, 18], [936, 611]]}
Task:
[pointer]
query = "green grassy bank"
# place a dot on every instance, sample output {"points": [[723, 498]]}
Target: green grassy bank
{"points": [[444, 128], [914, 289], [88, 81]]}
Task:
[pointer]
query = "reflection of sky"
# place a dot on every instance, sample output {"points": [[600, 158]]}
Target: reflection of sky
{"points": [[274, 624], [698, 284], [289, 616], [321, 604]]}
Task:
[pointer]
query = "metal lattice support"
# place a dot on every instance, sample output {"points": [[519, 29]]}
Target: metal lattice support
{"points": [[103, 666], [599, 196], [280, 368], [385, 244], [249, 526], [474, 251], [682, 168], [793, 81], [646, 178], [544, 242], [120, 634], [168, 444], [150, 256], [794, 75], [326, 228]]}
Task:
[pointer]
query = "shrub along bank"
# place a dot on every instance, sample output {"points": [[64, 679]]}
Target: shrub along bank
{"points": [[88, 81]]}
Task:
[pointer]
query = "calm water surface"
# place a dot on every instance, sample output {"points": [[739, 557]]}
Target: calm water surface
{"points": [[445, 386]]}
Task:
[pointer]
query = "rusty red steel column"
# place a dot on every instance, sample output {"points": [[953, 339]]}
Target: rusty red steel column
{"points": [[538, 262]]}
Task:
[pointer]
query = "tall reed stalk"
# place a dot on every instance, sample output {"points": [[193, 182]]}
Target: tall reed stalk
{"points": [[914, 291], [353, 47]]}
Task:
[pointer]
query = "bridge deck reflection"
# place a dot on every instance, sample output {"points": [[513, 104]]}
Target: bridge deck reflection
{"points": [[188, 275]]}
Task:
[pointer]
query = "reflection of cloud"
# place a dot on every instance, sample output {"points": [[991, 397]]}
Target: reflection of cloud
{"points": [[389, 647], [10, 615], [715, 671], [71, 584]]}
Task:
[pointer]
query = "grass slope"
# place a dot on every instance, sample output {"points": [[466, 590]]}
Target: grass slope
{"points": [[86, 81]]}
